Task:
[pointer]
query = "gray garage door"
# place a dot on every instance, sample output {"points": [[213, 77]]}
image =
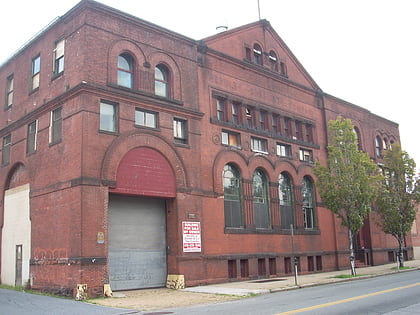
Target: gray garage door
{"points": [[137, 242]]}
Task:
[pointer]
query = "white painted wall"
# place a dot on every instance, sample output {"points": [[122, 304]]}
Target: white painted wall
{"points": [[16, 230]]}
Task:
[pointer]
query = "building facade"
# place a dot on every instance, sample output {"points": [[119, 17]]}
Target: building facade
{"points": [[130, 152]]}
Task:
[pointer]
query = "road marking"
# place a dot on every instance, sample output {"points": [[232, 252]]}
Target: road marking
{"points": [[348, 300]]}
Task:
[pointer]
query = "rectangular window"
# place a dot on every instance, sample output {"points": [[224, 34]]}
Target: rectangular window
{"points": [[35, 71], [298, 130], [236, 113], [9, 90], [221, 109], [58, 66], [283, 150], [305, 155], [309, 133], [263, 120], [7, 143], [308, 218], [108, 117], [180, 131], [31, 137], [250, 117], [275, 123], [231, 138], [287, 127], [259, 145], [146, 119], [55, 126]]}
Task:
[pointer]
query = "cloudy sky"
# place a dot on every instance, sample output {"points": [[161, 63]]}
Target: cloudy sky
{"points": [[366, 52]]}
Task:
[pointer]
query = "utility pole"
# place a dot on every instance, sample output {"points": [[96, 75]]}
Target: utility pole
{"points": [[295, 259]]}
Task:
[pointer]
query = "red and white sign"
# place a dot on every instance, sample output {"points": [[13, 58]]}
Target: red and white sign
{"points": [[191, 237]]}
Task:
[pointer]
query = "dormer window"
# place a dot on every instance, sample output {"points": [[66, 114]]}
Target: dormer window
{"points": [[257, 54]]}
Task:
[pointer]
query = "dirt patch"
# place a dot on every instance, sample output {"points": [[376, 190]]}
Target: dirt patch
{"points": [[161, 298]]}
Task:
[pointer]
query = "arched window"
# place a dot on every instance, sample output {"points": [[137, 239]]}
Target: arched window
{"points": [[286, 201], [162, 80], [378, 147], [357, 134], [274, 65], [257, 54], [125, 70], [260, 196], [232, 195], [385, 144], [308, 199]]}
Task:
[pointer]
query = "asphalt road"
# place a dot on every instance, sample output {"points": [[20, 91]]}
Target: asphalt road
{"points": [[391, 294], [396, 294], [12, 302]]}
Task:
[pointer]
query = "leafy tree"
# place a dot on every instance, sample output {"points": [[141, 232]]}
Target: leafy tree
{"points": [[397, 199], [348, 184]]}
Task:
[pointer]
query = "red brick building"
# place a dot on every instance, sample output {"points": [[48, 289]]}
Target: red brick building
{"points": [[130, 152]]}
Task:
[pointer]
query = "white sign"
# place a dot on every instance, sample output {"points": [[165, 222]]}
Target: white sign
{"points": [[191, 237]]}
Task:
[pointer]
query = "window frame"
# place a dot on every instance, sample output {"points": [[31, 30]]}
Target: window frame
{"points": [[146, 114], [180, 131], [6, 149], [259, 145], [272, 57], [56, 126], [231, 139], [58, 57], [231, 200], [123, 71], [286, 200], [164, 81], [221, 112], [31, 137], [303, 153], [108, 125], [257, 54], [308, 203], [261, 200], [283, 150], [35, 72], [9, 95]]}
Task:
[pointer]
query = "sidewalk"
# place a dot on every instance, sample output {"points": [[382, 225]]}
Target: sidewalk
{"points": [[161, 298]]}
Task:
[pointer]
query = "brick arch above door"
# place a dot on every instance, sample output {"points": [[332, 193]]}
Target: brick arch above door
{"points": [[144, 171], [133, 140]]}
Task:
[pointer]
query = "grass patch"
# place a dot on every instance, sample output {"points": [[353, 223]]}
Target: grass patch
{"points": [[347, 276], [401, 268]]}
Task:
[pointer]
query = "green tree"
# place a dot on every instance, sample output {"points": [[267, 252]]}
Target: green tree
{"points": [[348, 184], [396, 203]]}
